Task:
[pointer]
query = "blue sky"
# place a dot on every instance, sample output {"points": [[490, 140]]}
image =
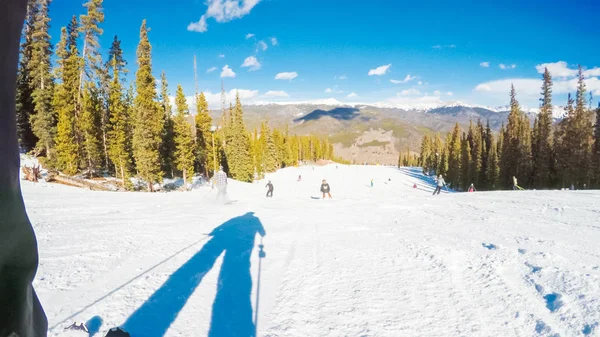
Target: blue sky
{"points": [[460, 50]]}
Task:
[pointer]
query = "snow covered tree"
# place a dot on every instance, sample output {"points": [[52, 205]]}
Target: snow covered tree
{"points": [[149, 120], [43, 120], [184, 140]]}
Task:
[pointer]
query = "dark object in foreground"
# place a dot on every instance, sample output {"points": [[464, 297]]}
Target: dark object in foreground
{"points": [[117, 332], [21, 313]]}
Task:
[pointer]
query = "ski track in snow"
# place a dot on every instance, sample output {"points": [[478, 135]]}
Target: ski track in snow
{"points": [[389, 260]]}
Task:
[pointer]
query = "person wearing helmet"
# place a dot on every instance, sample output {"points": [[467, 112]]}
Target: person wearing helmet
{"points": [[440, 183], [472, 188], [325, 189]]}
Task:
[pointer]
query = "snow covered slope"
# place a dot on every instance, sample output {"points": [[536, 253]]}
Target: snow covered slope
{"points": [[390, 260]]}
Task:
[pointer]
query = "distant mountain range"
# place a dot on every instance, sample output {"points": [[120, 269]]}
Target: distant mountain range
{"points": [[371, 133]]}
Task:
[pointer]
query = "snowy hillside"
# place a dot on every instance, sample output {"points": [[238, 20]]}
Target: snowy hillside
{"points": [[390, 260]]}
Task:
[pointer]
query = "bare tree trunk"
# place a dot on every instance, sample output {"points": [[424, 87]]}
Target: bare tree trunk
{"points": [[185, 179]]}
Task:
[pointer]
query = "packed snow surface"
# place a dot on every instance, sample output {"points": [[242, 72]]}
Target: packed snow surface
{"points": [[387, 260]]}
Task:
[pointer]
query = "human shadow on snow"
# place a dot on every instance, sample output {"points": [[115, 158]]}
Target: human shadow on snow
{"points": [[232, 308]]}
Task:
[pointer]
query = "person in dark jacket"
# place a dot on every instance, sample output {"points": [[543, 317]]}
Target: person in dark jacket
{"points": [[21, 313], [270, 190], [325, 189]]}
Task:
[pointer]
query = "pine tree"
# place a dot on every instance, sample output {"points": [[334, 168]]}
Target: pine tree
{"points": [[466, 176], [516, 147], [493, 168], [239, 157], [167, 148], [596, 150], [119, 149], [204, 141], [454, 156], [269, 148], [184, 140], [65, 101], [425, 155], [575, 152], [92, 60], [25, 107], [149, 120], [90, 128], [542, 141], [561, 145], [43, 120]]}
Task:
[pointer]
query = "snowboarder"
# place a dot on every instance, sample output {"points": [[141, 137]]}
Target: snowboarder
{"points": [[472, 188], [371, 182], [440, 183], [270, 191], [515, 184], [325, 189], [220, 180], [299, 177]]}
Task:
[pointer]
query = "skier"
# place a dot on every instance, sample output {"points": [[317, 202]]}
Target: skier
{"points": [[270, 191], [472, 188], [299, 177], [515, 184], [371, 182], [325, 189], [220, 180], [440, 183]]}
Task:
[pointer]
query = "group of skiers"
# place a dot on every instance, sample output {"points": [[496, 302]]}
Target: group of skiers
{"points": [[220, 182], [442, 183]]}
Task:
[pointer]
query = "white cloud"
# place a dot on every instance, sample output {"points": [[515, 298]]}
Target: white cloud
{"points": [[418, 102], [223, 11], [210, 70], [420, 83], [343, 77], [407, 79], [381, 70], [199, 27], [409, 92], [561, 69], [214, 99], [222, 56], [506, 66], [274, 41], [274, 93], [352, 95], [263, 45], [449, 93], [437, 93], [333, 90], [249, 36], [530, 87], [484, 64], [252, 63], [439, 46], [286, 76], [227, 72]]}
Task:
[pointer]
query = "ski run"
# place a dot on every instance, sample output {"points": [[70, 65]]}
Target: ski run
{"points": [[386, 260]]}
